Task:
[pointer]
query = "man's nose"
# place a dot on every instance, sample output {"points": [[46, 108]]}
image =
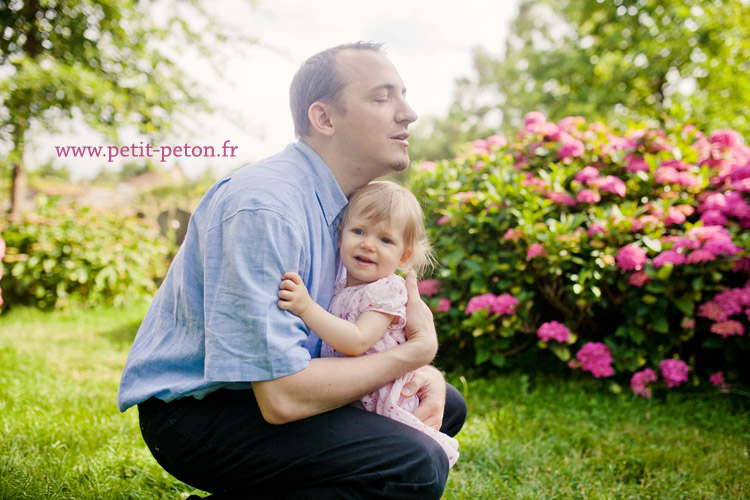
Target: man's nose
{"points": [[406, 114]]}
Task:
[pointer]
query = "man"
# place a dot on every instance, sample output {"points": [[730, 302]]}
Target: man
{"points": [[232, 396]]}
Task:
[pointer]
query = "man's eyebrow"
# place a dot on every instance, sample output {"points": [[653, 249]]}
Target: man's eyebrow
{"points": [[386, 86]]}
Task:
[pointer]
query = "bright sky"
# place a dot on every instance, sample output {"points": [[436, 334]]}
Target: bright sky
{"points": [[429, 41]]}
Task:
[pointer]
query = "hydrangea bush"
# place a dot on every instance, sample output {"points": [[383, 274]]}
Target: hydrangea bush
{"points": [[624, 253], [2, 254]]}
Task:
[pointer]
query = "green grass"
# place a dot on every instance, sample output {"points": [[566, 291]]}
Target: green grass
{"points": [[527, 437]]}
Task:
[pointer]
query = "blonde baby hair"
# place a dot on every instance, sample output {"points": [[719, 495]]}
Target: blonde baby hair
{"points": [[380, 200]]}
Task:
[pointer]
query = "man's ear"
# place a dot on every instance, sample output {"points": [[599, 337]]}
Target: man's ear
{"points": [[320, 119]]}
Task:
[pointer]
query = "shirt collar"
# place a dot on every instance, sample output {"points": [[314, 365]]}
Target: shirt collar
{"points": [[332, 200]]}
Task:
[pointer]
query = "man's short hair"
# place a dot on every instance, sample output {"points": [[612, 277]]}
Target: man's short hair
{"points": [[318, 79]]}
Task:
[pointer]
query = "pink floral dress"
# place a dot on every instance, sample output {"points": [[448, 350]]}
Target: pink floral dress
{"points": [[387, 295]]}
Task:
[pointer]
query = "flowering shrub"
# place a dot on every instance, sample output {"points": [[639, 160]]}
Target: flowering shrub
{"points": [[630, 249], [62, 255], [2, 254]]}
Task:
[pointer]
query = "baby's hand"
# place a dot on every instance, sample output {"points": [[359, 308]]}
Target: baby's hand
{"points": [[293, 294]]}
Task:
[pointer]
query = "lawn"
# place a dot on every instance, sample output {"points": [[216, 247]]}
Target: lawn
{"points": [[528, 436]]}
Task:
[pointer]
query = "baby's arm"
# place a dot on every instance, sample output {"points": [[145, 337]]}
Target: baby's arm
{"points": [[346, 337]]}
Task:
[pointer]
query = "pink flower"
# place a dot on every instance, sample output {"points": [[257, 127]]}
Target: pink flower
{"points": [[571, 124], [631, 258], [442, 220], [665, 175], [534, 122], [534, 251], [615, 143], [686, 179], [588, 196], [725, 138], [672, 256], [742, 265], [635, 224], [596, 229], [634, 163], [497, 140], [570, 148], [553, 330], [596, 358], [427, 166], [736, 206], [640, 380], [587, 173], [726, 304], [687, 323], [717, 378], [639, 279], [676, 164], [444, 305], [504, 304], [721, 247], [480, 146], [674, 371], [698, 256], [713, 218], [609, 184], [512, 234], [536, 182], [562, 198], [705, 233], [674, 216], [479, 302], [727, 328], [713, 311], [714, 201], [428, 288]]}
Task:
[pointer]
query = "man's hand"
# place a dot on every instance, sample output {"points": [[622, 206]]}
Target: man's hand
{"points": [[419, 324], [429, 386], [293, 294]]}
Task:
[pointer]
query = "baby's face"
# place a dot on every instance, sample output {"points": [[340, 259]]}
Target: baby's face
{"points": [[371, 250]]}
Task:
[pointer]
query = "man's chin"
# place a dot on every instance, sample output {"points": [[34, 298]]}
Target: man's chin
{"points": [[401, 165]]}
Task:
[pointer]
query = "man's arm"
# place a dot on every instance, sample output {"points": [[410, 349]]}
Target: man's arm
{"points": [[330, 383]]}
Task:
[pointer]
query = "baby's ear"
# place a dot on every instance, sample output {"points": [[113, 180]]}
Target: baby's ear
{"points": [[406, 257]]}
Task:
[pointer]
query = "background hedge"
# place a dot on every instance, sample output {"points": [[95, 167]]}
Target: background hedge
{"points": [[623, 253]]}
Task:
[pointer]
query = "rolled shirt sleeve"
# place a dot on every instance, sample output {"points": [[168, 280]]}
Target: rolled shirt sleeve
{"points": [[248, 337]]}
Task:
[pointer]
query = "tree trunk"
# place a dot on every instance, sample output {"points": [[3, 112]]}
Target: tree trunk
{"points": [[18, 189]]}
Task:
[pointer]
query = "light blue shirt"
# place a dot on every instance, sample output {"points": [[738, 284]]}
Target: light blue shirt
{"points": [[215, 322]]}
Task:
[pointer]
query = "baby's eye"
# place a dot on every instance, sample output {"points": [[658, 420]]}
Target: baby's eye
{"points": [[357, 230], [386, 240]]}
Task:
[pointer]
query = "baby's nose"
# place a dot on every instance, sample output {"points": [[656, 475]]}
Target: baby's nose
{"points": [[368, 243]]}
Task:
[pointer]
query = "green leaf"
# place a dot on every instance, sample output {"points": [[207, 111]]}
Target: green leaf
{"points": [[660, 324], [685, 305], [652, 243]]}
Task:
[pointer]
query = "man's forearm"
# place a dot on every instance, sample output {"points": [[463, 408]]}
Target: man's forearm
{"points": [[329, 383]]}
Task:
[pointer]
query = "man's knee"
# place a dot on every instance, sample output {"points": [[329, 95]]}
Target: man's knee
{"points": [[455, 411], [427, 470]]}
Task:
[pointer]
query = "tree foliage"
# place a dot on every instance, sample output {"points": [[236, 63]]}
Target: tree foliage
{"points": [[111, 62], [618, 61]]}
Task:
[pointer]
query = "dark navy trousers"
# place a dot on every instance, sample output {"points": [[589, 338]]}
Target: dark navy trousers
{"points": [[222, 445]]}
